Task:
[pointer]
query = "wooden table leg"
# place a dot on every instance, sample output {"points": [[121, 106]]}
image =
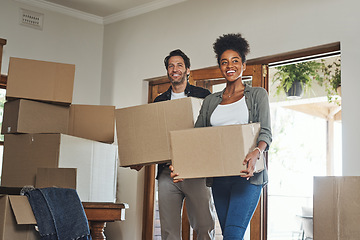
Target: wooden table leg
{"points": [[98, 213], [97, 230]]}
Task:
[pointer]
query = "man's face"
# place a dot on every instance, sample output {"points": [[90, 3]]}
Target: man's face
{"points": [[177, 72]]}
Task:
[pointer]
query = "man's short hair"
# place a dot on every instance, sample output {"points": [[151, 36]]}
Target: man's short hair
{"points": [[180, 53]]}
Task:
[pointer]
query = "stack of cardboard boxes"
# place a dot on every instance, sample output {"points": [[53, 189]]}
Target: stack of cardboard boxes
{"points": [[48, 140], [51, 142]]}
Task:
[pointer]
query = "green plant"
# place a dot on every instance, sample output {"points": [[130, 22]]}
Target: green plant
{"points": [[332, 77], [303, 72]]}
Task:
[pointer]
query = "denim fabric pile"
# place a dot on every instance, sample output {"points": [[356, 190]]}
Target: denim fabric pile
{"points": [[59, 213]]}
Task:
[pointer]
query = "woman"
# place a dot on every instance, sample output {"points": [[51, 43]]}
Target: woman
{"points": [[236, 197]]}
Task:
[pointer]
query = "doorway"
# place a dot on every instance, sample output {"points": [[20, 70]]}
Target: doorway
{"points": [[306, 143]]}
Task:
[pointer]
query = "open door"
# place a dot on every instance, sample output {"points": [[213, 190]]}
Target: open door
{"points": [[209, 78]]}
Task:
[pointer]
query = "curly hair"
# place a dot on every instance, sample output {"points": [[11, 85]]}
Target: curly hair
{"points": [[180, 53], [231, 41]]}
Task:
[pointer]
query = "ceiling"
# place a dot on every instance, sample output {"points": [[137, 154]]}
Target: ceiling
{"points": [[102, 11], [101, 8]]}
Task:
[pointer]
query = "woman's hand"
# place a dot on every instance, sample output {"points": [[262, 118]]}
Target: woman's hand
{"points": [[172, 175], [251, 158], [250, 162]]}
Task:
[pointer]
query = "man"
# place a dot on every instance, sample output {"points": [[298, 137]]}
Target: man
{"points": [[199, 201]]}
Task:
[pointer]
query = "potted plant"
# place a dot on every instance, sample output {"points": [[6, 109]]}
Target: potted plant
{"points": [[295, 79]]}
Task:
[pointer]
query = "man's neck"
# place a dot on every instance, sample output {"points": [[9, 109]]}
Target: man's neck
{"points": [[179, 88]]}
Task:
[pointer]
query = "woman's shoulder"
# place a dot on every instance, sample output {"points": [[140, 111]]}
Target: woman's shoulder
{"points": [[256, 90], [213, 98]]}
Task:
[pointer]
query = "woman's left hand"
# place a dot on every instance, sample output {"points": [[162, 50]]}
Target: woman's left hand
{"points": [[250, 161]]}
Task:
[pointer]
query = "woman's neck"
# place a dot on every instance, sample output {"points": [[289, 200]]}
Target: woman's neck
{"points": [[234, 87]]}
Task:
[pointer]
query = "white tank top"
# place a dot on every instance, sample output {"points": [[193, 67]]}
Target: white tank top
{"points": [[230, 114]]}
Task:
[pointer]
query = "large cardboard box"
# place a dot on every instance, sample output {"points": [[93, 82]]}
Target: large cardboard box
{"points": [[143, 131], [336, 208], [96, 162], [92, 122], [17, 220], [213, 151], [40, 80], [26, 116]]}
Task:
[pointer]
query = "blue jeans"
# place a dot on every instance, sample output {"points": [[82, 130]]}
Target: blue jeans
{"points": [[235, 202], [59, 214]]}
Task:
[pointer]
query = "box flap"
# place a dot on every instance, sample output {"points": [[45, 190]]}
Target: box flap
{"points": [[83, 118], [196, 106], [22, 210]]}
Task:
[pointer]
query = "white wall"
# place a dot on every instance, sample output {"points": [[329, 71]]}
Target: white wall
{"points": [[134, 50], [63, 39]]}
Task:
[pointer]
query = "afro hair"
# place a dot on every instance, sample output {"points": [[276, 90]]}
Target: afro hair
{"points": [[232, 41]]}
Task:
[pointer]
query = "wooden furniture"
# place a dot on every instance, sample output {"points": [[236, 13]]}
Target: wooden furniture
{"points": [[100, 213]]}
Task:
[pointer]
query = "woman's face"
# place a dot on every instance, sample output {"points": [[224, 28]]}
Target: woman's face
{"points": [[231, 65]]}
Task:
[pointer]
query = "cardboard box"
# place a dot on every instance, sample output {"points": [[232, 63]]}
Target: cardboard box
{"points": [[212, 151], [56, 177], [26, 116], [40, 80], [17, 220], [336, 208], [143, 131], [95, 162], [92, 122]]}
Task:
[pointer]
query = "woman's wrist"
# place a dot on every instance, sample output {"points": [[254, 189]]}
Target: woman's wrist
{"points": [[258, 150]]}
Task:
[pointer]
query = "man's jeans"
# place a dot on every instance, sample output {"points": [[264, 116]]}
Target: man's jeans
{"points": [[235, 202], [59, 214]]}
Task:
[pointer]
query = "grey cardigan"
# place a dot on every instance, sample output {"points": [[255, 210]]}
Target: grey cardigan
{"points": [[257, 101]]}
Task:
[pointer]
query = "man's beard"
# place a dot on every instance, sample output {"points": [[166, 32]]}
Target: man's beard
{"points": [[182, 80]]}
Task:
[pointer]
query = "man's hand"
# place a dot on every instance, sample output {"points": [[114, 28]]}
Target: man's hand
{"points": [[172, 175], [137, 167]]}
